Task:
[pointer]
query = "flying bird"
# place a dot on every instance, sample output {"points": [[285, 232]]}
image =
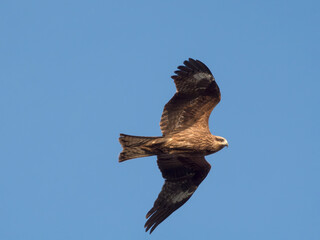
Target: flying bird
{"points": [[185, 141]]}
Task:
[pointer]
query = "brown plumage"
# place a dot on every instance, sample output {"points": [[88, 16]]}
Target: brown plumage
{"points": [[185, 141]]}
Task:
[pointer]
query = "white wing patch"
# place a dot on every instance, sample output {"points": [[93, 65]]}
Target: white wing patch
{"points": [[201, 75], [181, 196]]}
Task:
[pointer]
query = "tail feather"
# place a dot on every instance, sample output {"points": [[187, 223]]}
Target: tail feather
{"points": [[135, 147]]}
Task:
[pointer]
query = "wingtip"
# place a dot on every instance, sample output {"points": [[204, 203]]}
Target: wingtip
{"points": [[120, 159], [151, 211], [191, 60]]}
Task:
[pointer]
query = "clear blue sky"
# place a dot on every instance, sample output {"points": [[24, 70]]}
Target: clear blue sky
{"points": [[74, 74]]}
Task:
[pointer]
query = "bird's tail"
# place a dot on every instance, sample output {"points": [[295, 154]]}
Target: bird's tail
{"points": [[136, 147]]}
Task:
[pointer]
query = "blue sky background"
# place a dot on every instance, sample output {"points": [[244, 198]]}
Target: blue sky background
{"points": [[74, 74]]}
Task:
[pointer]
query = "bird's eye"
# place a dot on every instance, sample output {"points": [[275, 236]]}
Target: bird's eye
{"points": [[220, 139]]}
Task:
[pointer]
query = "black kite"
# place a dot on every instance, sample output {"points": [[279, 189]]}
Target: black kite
{"points": [[185, 141]]}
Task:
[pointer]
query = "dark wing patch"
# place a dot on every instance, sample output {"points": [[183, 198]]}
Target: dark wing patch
{"points": [[183, 174], [197, 95]]}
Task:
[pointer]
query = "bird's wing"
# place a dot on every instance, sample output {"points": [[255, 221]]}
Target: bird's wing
{"points": [[197, 94], [183, 174]]}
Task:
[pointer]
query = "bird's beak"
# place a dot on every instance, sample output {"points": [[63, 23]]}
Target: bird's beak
{"points": [[227, 145]]}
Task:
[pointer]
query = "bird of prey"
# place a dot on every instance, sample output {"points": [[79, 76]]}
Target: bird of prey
{"points": [[185, 140]]}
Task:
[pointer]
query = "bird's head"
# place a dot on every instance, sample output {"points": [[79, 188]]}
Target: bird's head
{"points": [[220, 142]]}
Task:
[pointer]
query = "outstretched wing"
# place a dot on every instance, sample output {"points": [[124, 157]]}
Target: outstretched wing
{"points": [[197, 94], [183, 174]]}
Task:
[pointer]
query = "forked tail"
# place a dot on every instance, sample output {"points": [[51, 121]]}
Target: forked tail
{"points": [[136, 147]]}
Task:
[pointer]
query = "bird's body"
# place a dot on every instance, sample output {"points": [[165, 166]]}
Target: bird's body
{"points": [[186, 140], [181, 142]]}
